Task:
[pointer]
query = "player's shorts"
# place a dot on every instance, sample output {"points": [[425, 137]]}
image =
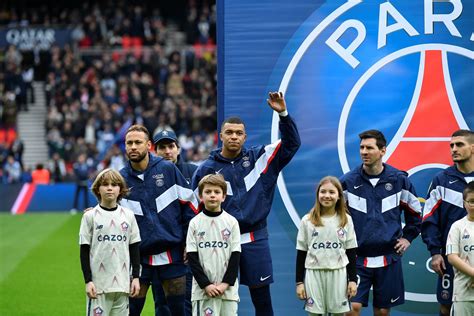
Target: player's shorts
{"points": [[215, 306], [103, 305], [387, 282], [444, 290], [152, 274], [326, 291], [256, 267], [462, 308]]}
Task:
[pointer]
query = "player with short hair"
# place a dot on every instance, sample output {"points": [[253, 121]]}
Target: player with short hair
{"points": [[213, 249], [167, 146], [251, 175], [109, 239], [326, 257], [163, 204], [460, 253], [377, 195], [443, 207]]}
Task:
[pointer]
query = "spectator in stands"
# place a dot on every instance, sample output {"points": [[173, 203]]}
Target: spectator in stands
{"points": [[57, 168], [28, 76], [81, 172], [117, 160], [9, 112], [13, 56], [108, 88], [17, 148], [18, 85], [3, 153], [40, 175], [11, 170], [105, 138]]}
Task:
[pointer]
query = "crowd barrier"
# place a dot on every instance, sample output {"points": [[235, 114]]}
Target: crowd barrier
{"points": [[21, 198]]}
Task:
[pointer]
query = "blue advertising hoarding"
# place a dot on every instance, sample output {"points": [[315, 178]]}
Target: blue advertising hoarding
{"points": [[403, 67], [35, 37]]}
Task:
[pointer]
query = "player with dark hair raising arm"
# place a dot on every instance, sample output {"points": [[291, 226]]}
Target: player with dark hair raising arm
{"points": [[251, 175]]}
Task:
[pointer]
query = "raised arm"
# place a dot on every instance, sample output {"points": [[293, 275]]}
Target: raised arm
{"points": [[282, 151]]}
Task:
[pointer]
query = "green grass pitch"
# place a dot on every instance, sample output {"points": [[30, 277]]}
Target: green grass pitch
{"points": [[40, 270]]}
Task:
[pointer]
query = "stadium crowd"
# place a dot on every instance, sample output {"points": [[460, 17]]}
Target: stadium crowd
{"points": [[127, 65]]}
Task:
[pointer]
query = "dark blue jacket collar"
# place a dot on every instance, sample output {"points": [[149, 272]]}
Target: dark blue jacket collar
{"points": [[216, 155]]}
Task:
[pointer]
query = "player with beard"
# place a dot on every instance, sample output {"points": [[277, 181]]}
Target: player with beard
{"points": [[378, 195], [163, 205], [444, 206]]}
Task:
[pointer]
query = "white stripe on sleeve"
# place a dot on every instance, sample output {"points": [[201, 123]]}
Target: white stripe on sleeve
{"points": [[132, 205], [175, 192], [260, 165], [356, 202]]}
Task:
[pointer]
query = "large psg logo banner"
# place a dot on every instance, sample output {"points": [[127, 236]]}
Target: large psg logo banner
{"points": [[403, 67]]}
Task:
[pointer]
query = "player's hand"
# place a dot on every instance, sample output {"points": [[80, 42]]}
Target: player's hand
{"points": [[212, 290], [135, 287], [351, 289], [401, 246], [222, 287], [185, 256], [91, 291], [300, 291], [437, 264], [276, 101]]}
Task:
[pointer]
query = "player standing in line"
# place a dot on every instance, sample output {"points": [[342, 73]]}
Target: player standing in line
{"points": [[109, 239], [460, 252], [167, 146], [213, 247], [251, 175], [326, 257], [443, 207], [376, 195], [163, 204]]}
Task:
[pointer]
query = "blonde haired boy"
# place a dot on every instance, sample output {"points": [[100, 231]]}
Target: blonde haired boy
{"points": [[109, 239]]}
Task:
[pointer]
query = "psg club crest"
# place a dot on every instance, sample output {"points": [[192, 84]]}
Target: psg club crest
{"points": [[159, 179], [402, 67]]}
